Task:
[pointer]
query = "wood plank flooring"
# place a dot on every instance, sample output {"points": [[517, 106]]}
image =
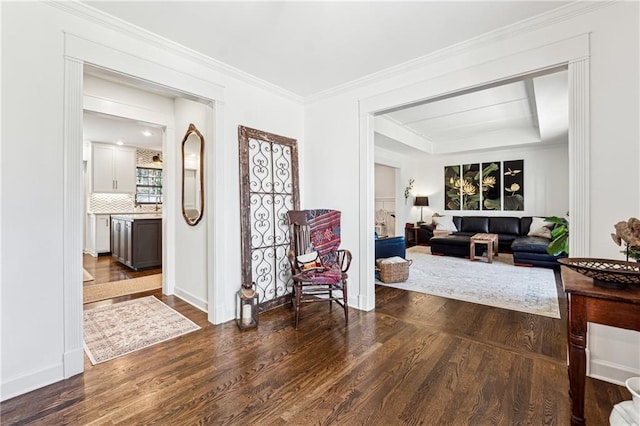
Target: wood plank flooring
{"points": [[416, 359], [104, 269]]}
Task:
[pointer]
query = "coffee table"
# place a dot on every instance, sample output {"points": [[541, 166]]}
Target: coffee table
{"points": [[491, 240]]}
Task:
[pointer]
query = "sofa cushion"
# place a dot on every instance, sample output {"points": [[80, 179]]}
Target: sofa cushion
{"points": [[475, 224], [530, 244], [445, 223], [504, 225], [453, 245], [525, 224], [540, 228]]}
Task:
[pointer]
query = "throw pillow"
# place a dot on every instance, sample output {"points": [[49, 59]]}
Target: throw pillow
{"points": [[310, 262], [445, 223], [540, 228]]}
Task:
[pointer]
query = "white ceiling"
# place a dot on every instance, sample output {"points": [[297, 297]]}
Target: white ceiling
{"points": [[530, 111], [105, 128], [309, 47]]}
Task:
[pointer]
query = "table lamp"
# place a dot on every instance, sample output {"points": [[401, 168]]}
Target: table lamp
{"points": [[421, 202]]}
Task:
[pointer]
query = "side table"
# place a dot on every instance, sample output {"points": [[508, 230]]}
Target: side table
{"points": [[491, 240], [408, 229]]}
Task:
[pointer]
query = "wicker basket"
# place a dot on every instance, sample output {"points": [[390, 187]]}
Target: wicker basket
{"points": [[393, 272]]}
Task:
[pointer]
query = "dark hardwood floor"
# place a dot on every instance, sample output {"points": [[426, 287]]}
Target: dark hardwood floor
{"points": [[416, 359], [104, 269]]}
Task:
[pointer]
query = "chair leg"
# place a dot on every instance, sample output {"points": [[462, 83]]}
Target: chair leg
{"points": [[297, 298], [344, 301], [330, 300]]}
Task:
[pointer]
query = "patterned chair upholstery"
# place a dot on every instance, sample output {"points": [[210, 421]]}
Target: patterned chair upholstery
{"points": [[311, 232]]}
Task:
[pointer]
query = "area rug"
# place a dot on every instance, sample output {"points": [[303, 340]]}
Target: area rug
{"points": [[86, 276], [119, 329], [498, 284], [96, 292]]}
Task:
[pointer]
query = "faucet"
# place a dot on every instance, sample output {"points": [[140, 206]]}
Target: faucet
{"points": [[157, 208]]}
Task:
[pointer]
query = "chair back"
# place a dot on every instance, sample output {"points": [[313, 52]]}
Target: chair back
{"points": [[315, 230]]}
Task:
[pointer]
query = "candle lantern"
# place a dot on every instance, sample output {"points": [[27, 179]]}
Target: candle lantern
{"points": [[247, 307]]}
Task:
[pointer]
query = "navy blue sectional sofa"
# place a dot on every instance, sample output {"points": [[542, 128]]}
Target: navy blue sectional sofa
{"points": [[512, 237]]}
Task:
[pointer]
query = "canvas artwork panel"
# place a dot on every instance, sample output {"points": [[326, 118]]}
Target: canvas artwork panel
{"points": [[491, 186], [471, 186], [514, 185], [452, 188]]}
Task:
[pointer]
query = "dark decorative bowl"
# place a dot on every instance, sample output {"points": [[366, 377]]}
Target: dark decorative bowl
{"points": [[607, 273]]}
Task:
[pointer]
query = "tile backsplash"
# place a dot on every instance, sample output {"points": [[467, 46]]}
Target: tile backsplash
{"points": [[116, 203], [124, 203]]}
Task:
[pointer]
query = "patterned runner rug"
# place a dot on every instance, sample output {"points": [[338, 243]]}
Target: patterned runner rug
{"points": [[119, 329], [95, 292], [498, 284]]}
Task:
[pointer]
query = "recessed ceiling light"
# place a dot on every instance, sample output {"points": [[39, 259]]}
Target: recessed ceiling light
{"points": [[119, 143], [147, 133]]}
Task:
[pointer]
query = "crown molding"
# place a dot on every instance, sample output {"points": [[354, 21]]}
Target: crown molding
{"points": [[99, 17], [560, 14]]}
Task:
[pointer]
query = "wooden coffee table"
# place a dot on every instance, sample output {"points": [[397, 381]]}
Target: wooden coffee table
{"points": [[491, 240]]}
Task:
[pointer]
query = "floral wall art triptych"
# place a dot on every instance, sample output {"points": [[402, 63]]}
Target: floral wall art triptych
{"points": [[497, 185]]}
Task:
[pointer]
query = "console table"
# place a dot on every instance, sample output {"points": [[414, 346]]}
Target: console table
{"points": [[589, 303]]}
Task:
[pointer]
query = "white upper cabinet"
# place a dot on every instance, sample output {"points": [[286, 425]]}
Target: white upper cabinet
{"points": [[113, 169]]}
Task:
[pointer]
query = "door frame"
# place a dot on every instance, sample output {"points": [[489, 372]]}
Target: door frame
{"points": [[571, 52], [143, 66]]}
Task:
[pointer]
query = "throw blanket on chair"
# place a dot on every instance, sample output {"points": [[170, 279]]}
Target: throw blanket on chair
{"points": [[324, 235]]}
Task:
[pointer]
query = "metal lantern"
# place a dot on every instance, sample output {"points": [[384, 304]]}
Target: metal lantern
{"points": [[247, 307]]}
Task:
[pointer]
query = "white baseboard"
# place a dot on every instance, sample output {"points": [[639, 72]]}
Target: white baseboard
{"points": [[610, 372], [73, 362], [31, 381], [224, 313], [191, 299]]}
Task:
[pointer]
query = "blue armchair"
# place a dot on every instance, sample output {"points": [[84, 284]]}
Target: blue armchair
{"points": [[389, 247]]}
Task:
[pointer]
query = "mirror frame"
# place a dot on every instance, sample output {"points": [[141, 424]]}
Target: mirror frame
{"points": [[192, 130]]}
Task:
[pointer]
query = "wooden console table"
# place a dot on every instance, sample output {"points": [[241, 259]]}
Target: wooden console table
{"points": [[589, 303]]}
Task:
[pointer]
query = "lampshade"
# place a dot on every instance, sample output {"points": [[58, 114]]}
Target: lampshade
{"points": [[422, 201]]}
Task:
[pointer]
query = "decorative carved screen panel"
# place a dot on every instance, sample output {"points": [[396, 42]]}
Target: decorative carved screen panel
{"points": [[268, 189]]}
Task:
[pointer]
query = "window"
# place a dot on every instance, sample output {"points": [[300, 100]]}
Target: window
{"points": [[148, 185]]}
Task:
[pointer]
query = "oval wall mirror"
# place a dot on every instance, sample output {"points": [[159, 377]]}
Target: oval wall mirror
{"points": [[192, 176]]}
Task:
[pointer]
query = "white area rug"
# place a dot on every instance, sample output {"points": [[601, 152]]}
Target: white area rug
{"points": [[498, 284], [118, 329]]}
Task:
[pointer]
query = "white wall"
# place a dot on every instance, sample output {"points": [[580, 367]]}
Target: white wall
{"points": [[546, 180], [191, 259], [614, 109], [33, 309], [385, 193], [385, 180]]}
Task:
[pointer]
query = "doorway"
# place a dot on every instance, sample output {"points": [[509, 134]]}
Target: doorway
{"points": [[123, 182], [572, 53]]}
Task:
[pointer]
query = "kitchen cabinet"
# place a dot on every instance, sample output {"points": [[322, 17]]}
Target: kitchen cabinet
{"points": [[113, 169], [136, 240], [99, 234]]}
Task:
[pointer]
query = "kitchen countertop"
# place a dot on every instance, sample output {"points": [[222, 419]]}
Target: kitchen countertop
{"points": [[137, 216]]}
